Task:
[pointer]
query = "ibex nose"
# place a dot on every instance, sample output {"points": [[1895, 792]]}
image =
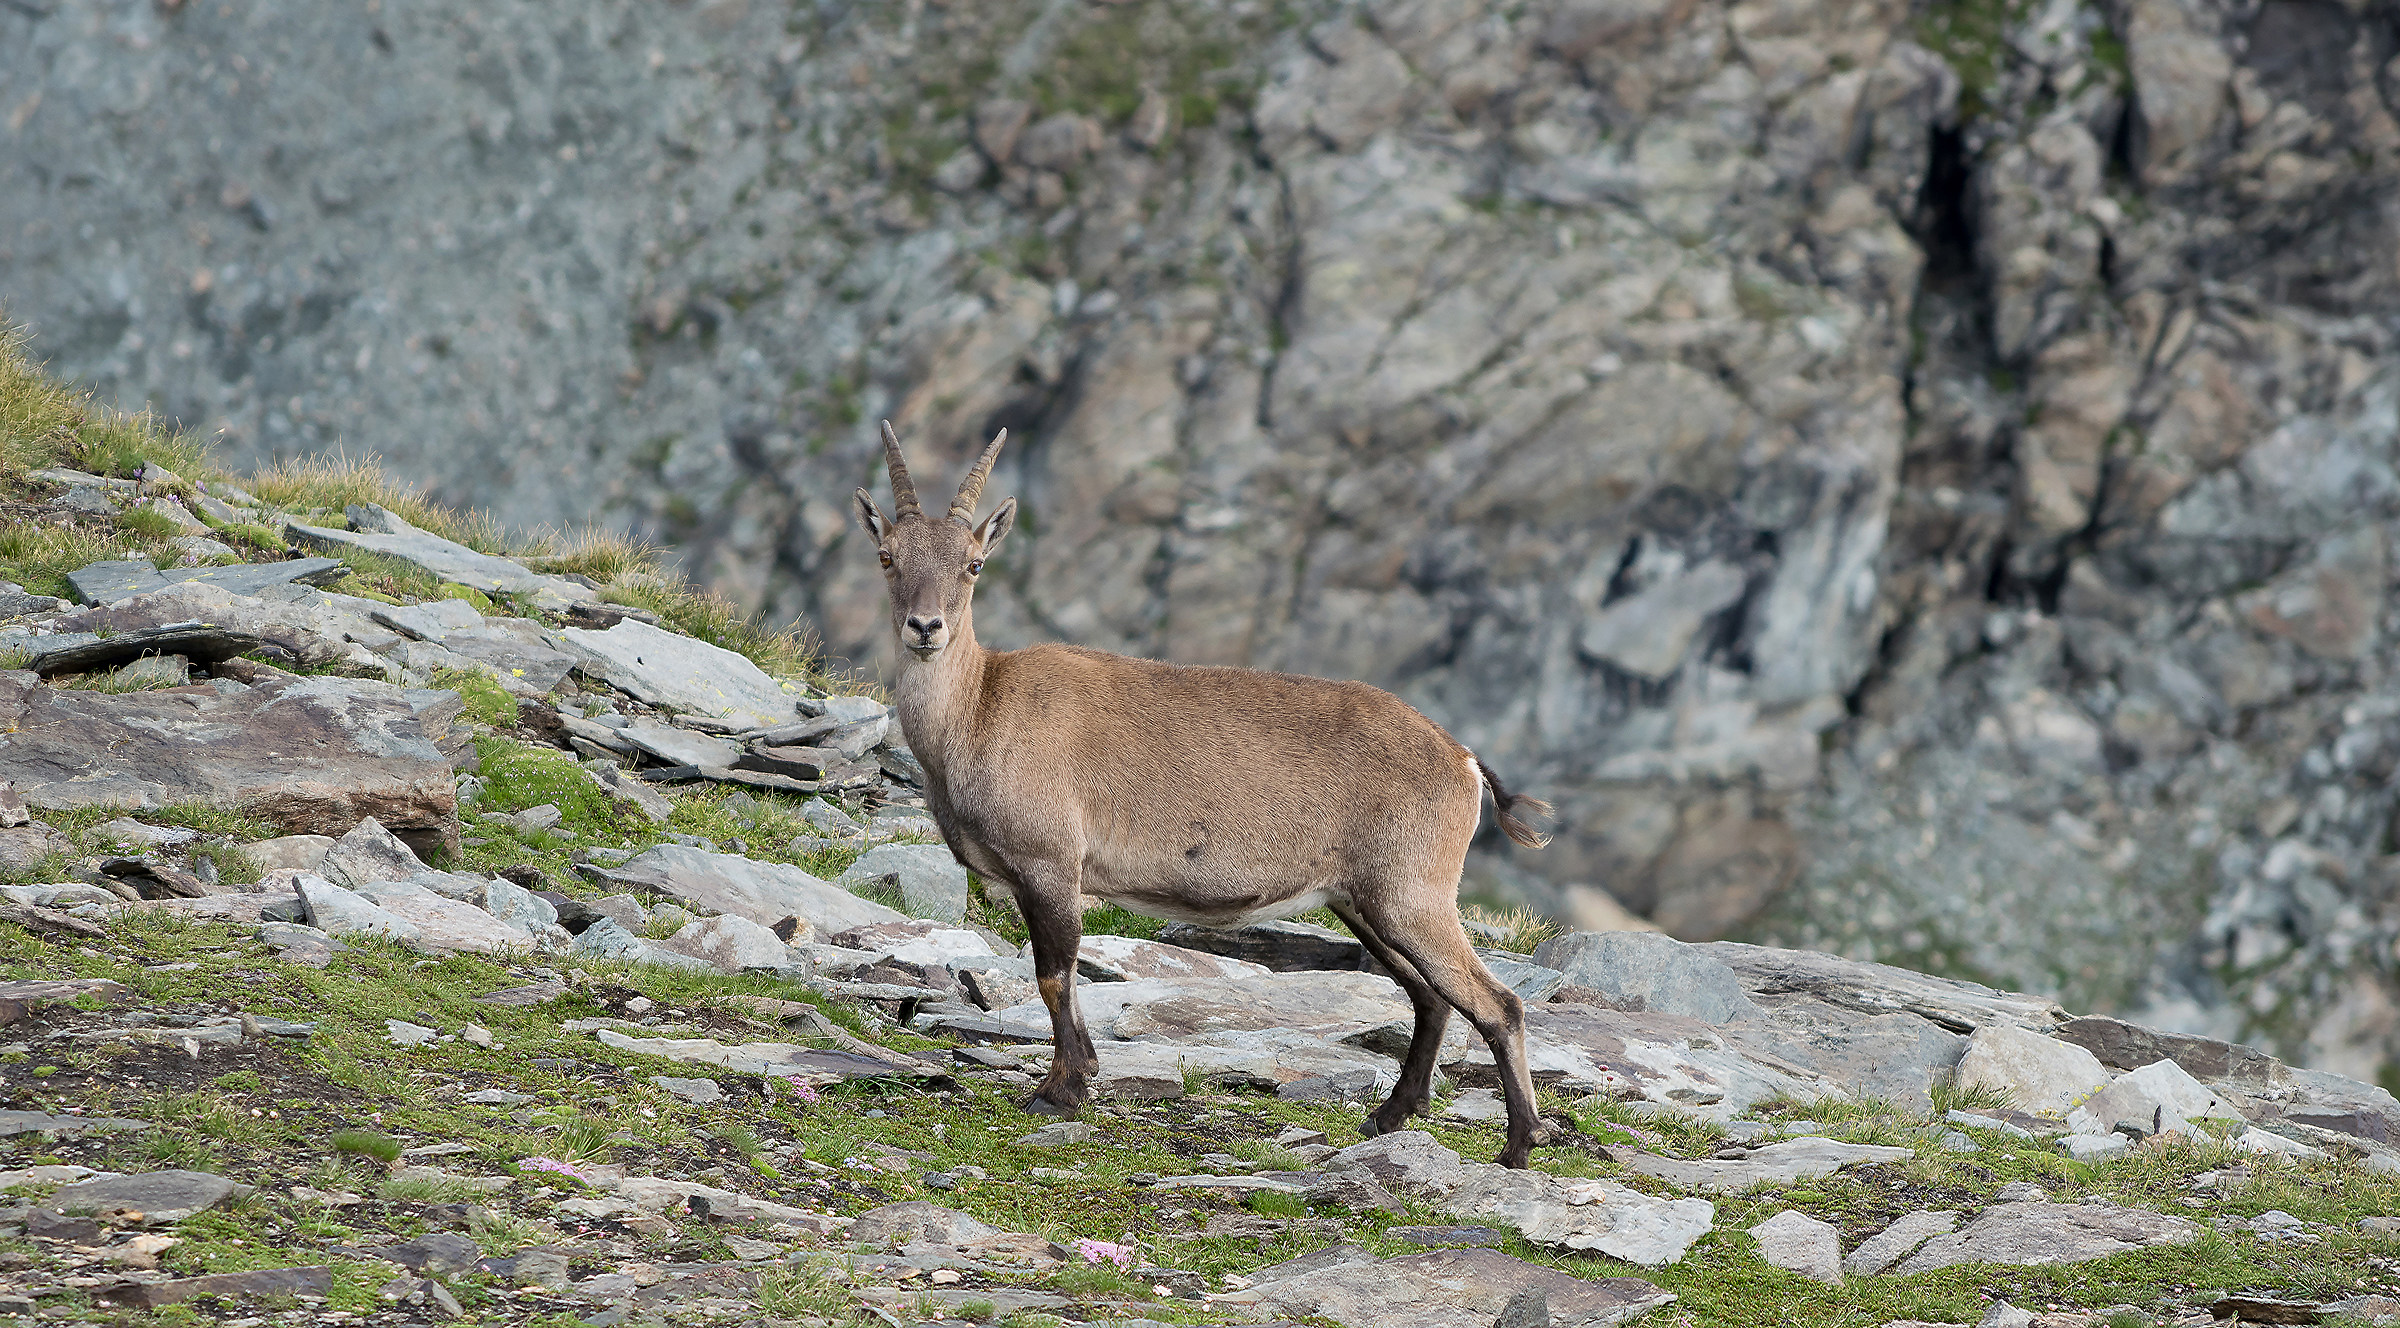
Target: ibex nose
{"points": [[923, 628]]}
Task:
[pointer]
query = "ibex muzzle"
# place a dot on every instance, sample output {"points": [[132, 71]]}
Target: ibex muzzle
{"points": [[1208, 795]]}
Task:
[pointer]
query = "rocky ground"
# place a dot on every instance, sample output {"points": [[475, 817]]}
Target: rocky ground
{"points": [[398, 932]]}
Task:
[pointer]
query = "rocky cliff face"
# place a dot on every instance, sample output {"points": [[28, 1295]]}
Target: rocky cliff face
{"points": [[1915, 481]]}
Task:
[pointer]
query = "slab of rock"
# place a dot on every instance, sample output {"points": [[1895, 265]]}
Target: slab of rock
{"points": [[932, 883], [1776, 1164], [1122, 958], [444, 925], [439, 1252], [2123, 1046], [378, 530], [1890, 1245], [1769, 973], [309, 755], [1641, 971], [312, 1283], [2034, 1231], [679, 746], [2040, 1074], [1897, 1057], [629, 795], [22, 847], [339, 912], [2150, 1101], [430, 621], [1577, 1215], [19, 999], [125, 831], [42, 1122], [903, 1224], [366, 854], [730, 944], [110, 582], [781, 1059], [1661, 1058], [309, 632], [1285, 947], [158, 1196], [1794, 1241], [917, 942], [654, 1194], [198, 643], [295, 943], [687, 676], [1319, 1005], [764, 892], [1450, 1288], [698, 1092], [17, 602]]}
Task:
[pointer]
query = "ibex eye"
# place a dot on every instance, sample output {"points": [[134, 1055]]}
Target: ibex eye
{"points": [[975, 568], [886, 555]]}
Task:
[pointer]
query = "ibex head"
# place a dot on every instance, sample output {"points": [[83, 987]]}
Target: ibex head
{"points": [[929, 566]]}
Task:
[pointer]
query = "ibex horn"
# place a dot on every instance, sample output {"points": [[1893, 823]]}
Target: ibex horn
{"points": [[904, 492], [970, 489]]}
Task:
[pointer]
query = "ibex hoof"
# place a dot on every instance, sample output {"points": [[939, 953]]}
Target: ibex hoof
{"points": [[1368, 1129], [1040, 1105]]}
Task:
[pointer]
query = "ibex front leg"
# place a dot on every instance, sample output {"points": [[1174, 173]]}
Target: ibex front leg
{"points": [[1051, 898]]}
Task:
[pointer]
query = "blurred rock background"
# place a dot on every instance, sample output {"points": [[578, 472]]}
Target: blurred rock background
{"points": [[1910, 479]]}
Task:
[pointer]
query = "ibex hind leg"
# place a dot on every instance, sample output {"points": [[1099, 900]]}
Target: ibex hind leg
{"points": [[1430, 937], [1413, 1095], [1049, 898]]}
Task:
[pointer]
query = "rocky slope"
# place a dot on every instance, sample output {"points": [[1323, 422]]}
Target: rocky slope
{"points": [[1910, 480], [416, 934]]}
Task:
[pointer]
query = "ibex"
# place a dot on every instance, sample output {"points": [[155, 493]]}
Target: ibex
{"points": [[1212, 795]]}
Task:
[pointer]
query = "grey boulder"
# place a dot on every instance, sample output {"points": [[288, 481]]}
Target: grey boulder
{"points": [[932, 883], [1647, 971], [764, 892], [1451, 1288], [2034, 1232], [687, 676], [158, 1196], [312, 755]]}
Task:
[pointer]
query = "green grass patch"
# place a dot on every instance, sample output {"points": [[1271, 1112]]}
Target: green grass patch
{"points": [[366, 1143]]}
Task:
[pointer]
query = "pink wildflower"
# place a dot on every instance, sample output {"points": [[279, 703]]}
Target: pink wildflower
{"points": [[1093, 1251], [552, 1164]]}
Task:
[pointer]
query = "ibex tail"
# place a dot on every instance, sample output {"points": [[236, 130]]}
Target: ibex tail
{"points": [[1514, 826]]}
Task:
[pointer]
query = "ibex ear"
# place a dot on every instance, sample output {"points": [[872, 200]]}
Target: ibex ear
{"points": [[871, 518], [996, 526]]}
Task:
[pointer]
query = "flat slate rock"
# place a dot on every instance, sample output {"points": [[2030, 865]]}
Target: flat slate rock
{"points": [[159, 1196], [109, 582], [1570, 1214], [764, 892], [1890, 1245], [1649, 971], [687, 676], [932, 883], [2033, 1232], [19, 999], [782, 1059], [314, 1283], [1795, 1242], [1955, 1004], [1286, 947], [1776, 1164], [309, 755], [201, 643], [1450, 1288], [378, 530], [42, 1122]]}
